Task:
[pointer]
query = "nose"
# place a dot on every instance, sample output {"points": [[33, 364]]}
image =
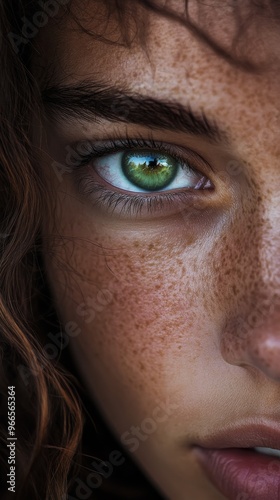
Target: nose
{"points": [[250, 332], [255, 342]]}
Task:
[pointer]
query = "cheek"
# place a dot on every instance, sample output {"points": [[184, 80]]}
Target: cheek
{"points": [[139, 298], [150, 302], [134, 300]]}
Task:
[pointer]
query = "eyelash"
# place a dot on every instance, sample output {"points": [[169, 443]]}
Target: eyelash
{"points": [[131, 205]]}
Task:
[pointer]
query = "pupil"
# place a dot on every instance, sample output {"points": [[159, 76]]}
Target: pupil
{"points": [[151, 171], [153, 163]]}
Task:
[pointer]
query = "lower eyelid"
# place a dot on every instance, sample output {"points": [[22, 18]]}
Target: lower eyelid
{"points": [[128, 206]]}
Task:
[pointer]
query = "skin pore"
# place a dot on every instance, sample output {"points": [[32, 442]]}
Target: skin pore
{"points": [[192, 323]]}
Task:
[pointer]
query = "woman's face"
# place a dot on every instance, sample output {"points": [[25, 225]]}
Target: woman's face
{"points": [[163, 249]]}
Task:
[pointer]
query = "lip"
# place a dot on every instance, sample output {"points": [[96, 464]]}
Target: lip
{"points": [[236, 470]]}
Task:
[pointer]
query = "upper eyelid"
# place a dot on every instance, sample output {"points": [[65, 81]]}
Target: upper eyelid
{"points": [[99, 148]]}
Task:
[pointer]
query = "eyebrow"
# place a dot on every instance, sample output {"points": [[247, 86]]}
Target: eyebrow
{"points": [[90, 101]]}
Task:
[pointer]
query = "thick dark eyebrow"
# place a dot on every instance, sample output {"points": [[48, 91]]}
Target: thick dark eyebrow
{"points": [[90, 101]]}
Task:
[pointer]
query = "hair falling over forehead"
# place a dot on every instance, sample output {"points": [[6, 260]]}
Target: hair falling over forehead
{"points": [[247, 18], [51, 416]]}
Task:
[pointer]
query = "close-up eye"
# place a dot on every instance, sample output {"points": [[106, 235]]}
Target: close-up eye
{"points": [[148, 171], [140, 176]]}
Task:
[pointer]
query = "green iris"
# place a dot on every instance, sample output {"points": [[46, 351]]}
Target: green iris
{"points": [[149, 170]]}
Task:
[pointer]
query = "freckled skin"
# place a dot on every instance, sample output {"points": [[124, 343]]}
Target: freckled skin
{"points": [[195, 310]]}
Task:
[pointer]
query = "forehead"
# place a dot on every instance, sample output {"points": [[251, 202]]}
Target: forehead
{"points": [[252, 37], [163, 59], [126, 26]]}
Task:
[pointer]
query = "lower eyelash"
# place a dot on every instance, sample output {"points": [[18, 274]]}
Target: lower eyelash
{"points": [[129, 205]]}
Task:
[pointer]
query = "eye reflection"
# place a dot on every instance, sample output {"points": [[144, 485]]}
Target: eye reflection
{"points": [[155, 172]]}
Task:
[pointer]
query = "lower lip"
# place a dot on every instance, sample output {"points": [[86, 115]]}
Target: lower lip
{"points": [[241, 474]]}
